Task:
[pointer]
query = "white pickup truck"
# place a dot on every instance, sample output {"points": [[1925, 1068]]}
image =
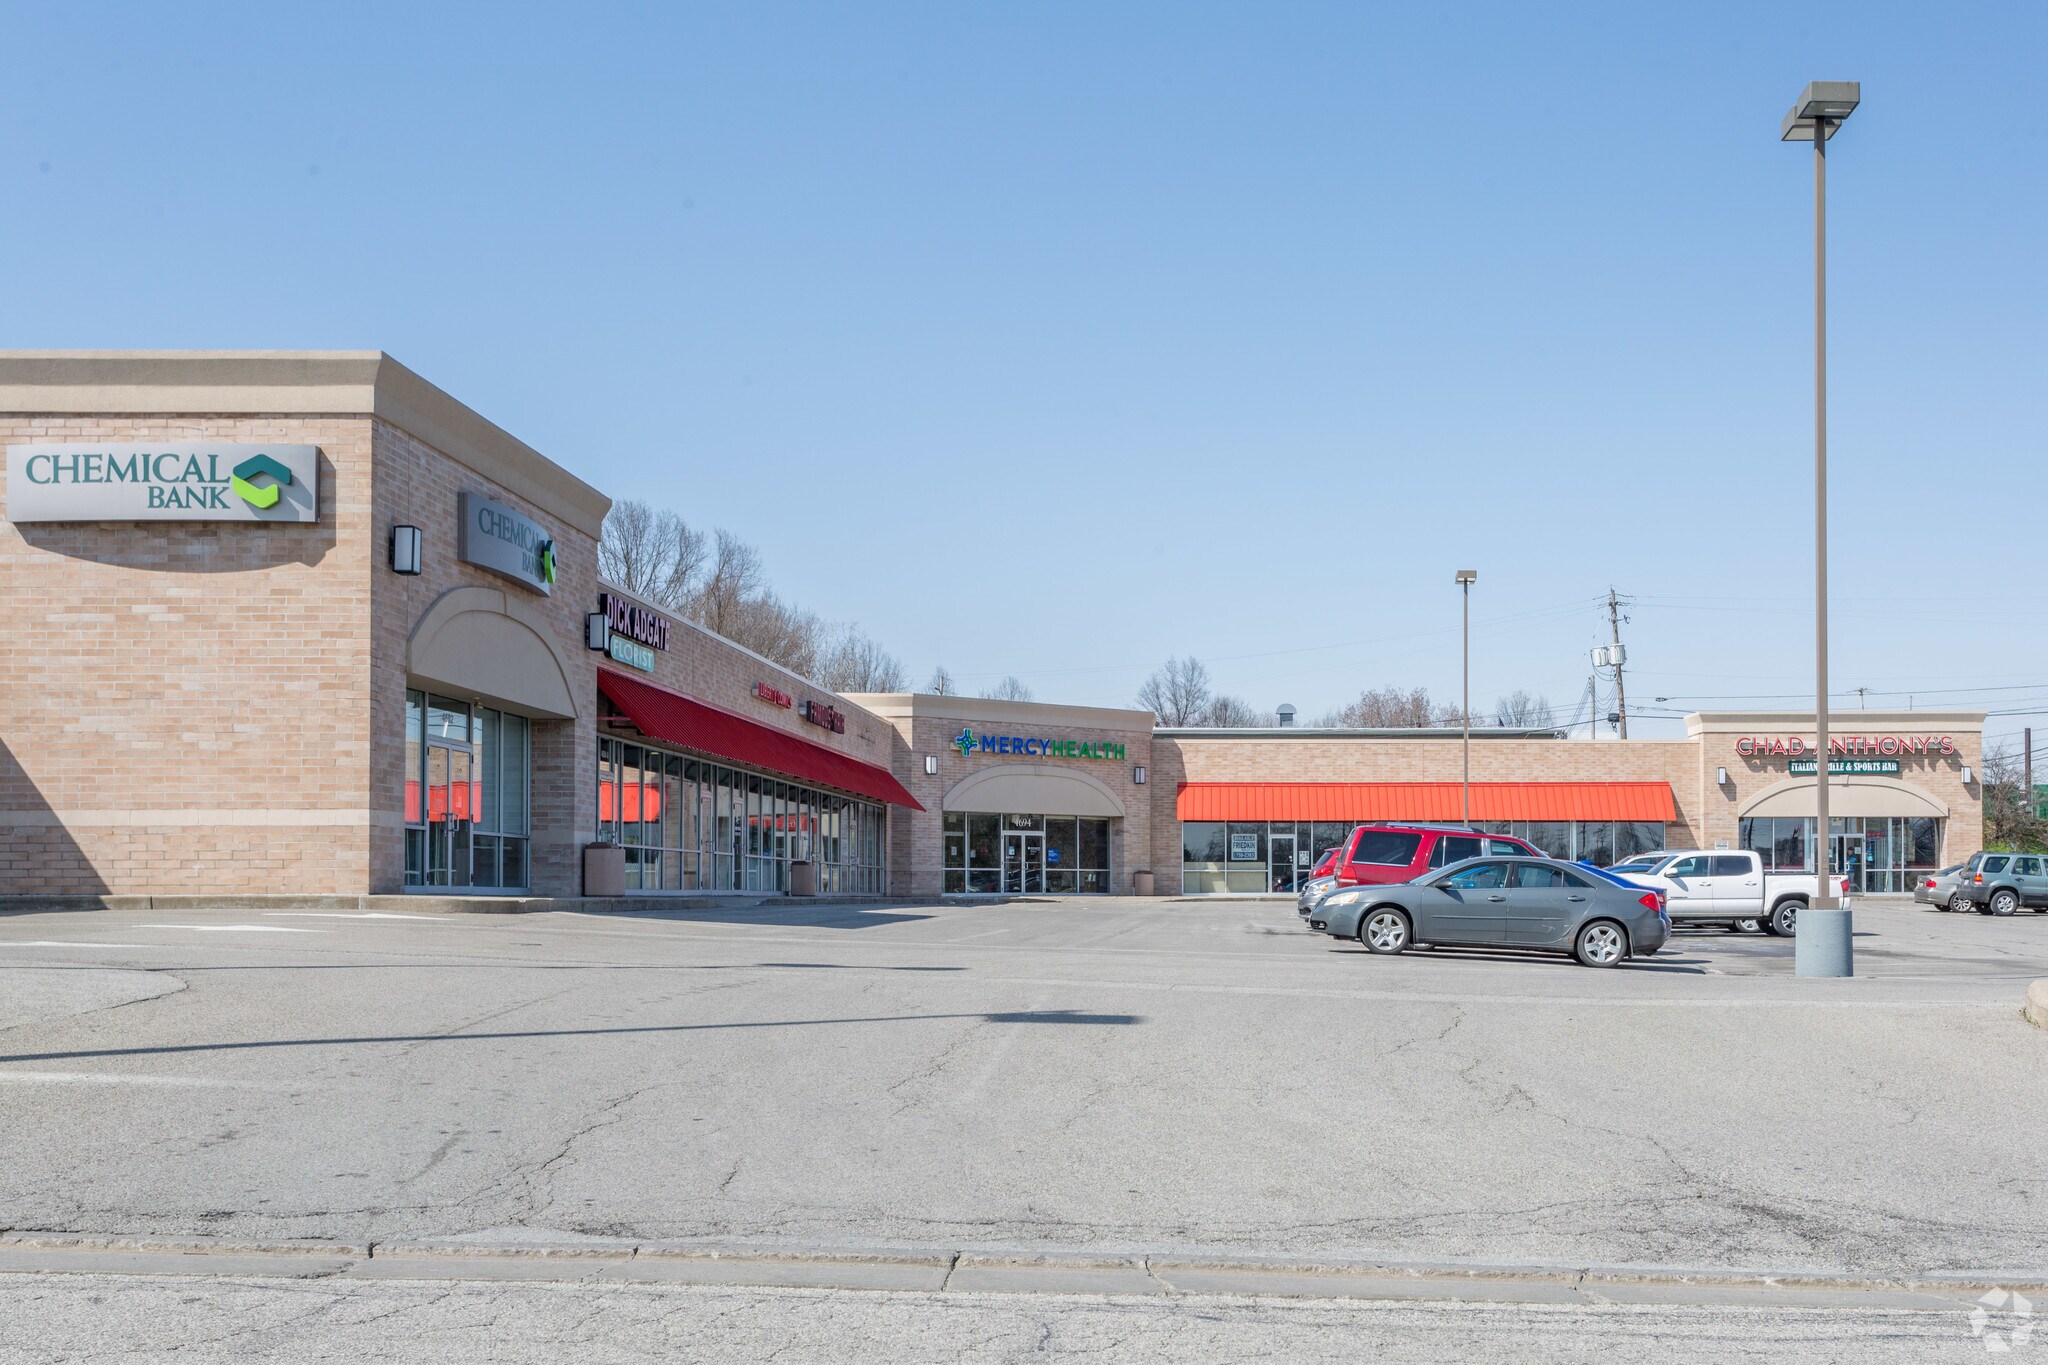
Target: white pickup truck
{"points": [[1731, 884]]}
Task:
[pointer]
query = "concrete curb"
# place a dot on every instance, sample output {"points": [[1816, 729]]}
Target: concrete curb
{"points": [[2036, 1008], [433, 905], [993, 1271]]}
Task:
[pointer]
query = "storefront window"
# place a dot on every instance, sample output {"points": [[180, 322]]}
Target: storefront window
{"points": [[468, 771], [688, 825], [1204, 846]]}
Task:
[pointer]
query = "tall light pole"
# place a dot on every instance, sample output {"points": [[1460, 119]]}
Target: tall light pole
{"points": [[1825, 944], [1466, 578]]}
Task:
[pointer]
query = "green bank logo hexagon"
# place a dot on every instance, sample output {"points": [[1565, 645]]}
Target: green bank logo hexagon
{"points": [[253, 468], [545, 556]]}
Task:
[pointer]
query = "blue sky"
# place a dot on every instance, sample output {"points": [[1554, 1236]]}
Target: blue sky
{"points": [[1056, 339]]}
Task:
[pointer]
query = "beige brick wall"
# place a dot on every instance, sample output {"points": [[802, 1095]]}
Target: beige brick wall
{"points": [[184, 705], [916, 852]]}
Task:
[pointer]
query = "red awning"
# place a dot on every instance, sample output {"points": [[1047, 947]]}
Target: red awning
{"points": [[1434, 801], [678, 720]]}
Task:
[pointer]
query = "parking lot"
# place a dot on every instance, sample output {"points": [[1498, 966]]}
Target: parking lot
{"points": [[1068, 1074], [1100, 1078]]}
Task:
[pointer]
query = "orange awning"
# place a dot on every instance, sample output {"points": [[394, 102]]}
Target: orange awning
{"points": [[1432, 801]]}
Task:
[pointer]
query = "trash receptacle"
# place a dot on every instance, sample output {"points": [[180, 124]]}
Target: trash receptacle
{"points": [[604, 870], [1141, 883], [803, 878]]}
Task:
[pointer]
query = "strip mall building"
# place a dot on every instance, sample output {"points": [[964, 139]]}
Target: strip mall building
{"points": [[302, 624]]}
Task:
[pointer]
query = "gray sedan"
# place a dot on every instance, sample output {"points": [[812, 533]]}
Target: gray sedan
{"points": [[1943, 890], [1312, 891], [1538, 903]]}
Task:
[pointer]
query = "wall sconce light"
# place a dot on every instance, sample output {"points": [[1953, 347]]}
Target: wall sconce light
{"points": [[931, 765], [1720, 777], [1966, 774], [1138, 774], [407, 549], [597, 631]]}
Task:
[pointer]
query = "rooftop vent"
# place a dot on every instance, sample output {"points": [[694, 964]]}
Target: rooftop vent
{"points": [[1286, 712]]}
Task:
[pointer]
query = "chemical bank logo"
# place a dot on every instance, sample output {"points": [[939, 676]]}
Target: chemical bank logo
{"points": [[2003, 1320], [243, 481], [544, 558], [965, 744]]}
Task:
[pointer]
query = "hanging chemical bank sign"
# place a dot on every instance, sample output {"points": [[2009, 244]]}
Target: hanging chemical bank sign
{"points": [[163, 483]]}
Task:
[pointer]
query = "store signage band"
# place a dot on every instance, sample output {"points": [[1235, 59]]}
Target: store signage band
{"points": [[631, 653], [819, 713], [1846, 746], [492, 536], [635, 622], [1838, 767], [163, 483], [1033, 746], [774, 696]]}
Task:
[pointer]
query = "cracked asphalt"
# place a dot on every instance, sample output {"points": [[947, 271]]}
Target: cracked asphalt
{"points": [[1112, 1076]]}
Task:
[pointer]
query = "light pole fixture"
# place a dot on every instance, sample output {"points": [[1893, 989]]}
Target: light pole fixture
{"points": [[1466, 578], [1825, 942]]}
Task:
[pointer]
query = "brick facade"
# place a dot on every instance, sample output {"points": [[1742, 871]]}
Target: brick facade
{"points": [[219, 707]]}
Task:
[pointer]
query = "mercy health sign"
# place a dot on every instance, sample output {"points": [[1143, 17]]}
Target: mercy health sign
{"points": [[163, 483], [967, 742]]}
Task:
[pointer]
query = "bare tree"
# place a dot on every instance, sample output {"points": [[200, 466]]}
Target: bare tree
{"points": [[942, 684], [733, 580], [774, 629], [1519, 708], [2011, 817], [1386, 708], [1226, 712], [1177, 692], [1009, 689], [651, 553], [855, 663]]}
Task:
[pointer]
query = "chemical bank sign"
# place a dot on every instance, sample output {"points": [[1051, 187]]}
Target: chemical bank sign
{"points": [[163, 483], [493, 536]]}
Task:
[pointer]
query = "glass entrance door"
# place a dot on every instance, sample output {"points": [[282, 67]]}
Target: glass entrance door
{"points": [[1280, 861], [1024, 864], [450, 814], [1845, 857]]}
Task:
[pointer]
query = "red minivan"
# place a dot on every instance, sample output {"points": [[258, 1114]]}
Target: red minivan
{"points": [[1379, 855]]}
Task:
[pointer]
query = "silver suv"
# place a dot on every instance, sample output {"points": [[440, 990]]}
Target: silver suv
{"points": [[2000, 883]]}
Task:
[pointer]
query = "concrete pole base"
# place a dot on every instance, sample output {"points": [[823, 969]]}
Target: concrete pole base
{"points": [[1824, 943]]}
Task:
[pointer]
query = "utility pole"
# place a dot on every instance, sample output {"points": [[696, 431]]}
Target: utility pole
{"points": [[1620, 692], [1861, 704], [2028, 743]]}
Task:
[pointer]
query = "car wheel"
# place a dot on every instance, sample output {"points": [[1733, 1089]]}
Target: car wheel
{"points": [[1384, 931], [2004, 902], [1959, 903], [1784, 920], [1601, 944], [1747, 926]]}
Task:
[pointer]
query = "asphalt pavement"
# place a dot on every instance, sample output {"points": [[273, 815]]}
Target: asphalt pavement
{"points": [[1109, 1078]]}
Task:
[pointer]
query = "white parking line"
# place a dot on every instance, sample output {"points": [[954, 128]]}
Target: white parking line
{"points": [[235, 928], [62, 943], [101, 1078], [348, 914]]}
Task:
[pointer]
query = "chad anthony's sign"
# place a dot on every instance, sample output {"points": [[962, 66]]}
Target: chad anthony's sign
{"points": [[1031, 746], [493, 536], [163, 483]]}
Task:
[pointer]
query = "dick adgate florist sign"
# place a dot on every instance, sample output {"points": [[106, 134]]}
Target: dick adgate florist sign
{"points": [[1846, 746], [163, 483]]}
